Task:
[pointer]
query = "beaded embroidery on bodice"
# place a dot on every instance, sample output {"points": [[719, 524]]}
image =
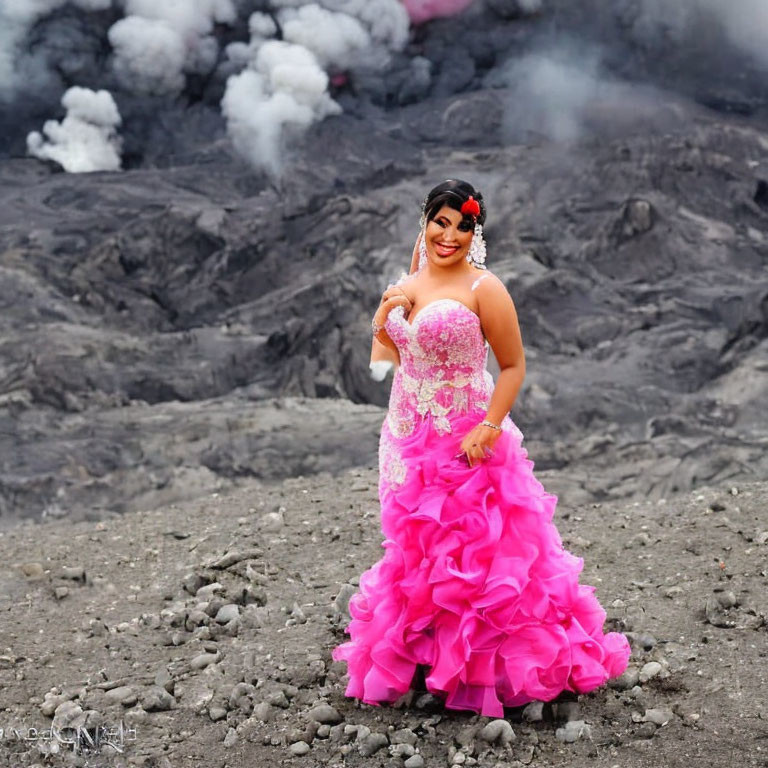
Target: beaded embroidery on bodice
{"points": [[443, 359]]}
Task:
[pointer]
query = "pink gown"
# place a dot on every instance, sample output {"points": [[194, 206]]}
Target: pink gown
{"points": [[474, 582]]}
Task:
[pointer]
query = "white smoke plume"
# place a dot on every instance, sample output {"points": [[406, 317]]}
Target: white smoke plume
{"points": [[284, 86], [743, 23], [334, 38], [158, 43], [563, 94], [269, 97], [16, 19], [386, 21], [283, 91], [746, 26], [86, 139], [550, 93]]}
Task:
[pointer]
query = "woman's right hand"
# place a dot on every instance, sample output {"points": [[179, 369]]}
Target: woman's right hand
{"points": [[393, 297], [395, 290]]}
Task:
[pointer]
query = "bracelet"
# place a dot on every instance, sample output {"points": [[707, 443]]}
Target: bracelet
{"points": [[487, 423]]}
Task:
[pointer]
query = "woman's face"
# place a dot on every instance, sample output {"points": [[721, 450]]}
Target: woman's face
{"points": [[447, 237]]}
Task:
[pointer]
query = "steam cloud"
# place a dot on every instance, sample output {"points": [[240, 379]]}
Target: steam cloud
{"points": [[562, 94], [16, 19], [744, 23], [158, 42], [274, 85], [284, 86], [86, 139]]}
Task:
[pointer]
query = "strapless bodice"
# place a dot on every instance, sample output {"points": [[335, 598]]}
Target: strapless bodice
{"points": [[443, 359]]}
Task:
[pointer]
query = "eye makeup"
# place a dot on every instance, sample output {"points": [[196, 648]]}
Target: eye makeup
{"points": [[465, 225]]}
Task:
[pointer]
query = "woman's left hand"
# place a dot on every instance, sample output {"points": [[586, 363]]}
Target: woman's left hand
{"points": [[478, 443]]}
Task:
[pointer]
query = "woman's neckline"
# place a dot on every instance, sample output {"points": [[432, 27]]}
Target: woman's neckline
{"points": [[411, 322]]}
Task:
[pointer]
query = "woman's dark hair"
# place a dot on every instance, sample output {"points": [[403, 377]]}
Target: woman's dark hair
{"points": [[453, 193]]}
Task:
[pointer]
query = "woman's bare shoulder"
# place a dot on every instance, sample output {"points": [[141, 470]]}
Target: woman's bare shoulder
{"points": [[492, 295], [487, 282]]}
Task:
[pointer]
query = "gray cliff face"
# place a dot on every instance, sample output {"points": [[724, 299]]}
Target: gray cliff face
{"points": [[170, 330]]}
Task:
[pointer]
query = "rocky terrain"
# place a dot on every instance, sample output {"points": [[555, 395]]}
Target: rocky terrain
{"points": [[204, 630], [190, 324], [154, 323]]}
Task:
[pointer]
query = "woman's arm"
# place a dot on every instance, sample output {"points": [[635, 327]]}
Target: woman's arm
{"points": [[391, 298], [499, 320], [380, 353]]}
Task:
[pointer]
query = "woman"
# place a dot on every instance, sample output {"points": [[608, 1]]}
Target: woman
{"points": [[475, 585]]}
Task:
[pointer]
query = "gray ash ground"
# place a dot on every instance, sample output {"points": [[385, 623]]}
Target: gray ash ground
{"points": [[100, 625]]}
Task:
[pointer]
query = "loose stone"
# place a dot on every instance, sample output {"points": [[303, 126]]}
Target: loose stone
{"points": [[73, 572], [403, 736], [649, 671], [324, 713], [645, 731], [658, 716], [628, 679], [263, 711], [371, 743], [497, 731], [279, 699], [341, 603], [123, 694], [299, 748], [572, 731], [32, 571], [227, 613], [217, 713], [157, 700], [203, 660]]}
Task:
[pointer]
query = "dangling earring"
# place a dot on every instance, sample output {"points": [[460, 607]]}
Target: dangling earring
{"points": [[476, 252]]}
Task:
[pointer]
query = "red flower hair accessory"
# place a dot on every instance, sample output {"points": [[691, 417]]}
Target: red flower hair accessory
{"points": [[471, 206]]}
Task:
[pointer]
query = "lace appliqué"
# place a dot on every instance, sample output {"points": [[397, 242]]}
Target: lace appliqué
{"points": [[458, 395], [443, 367], [400, 418], [392, 468]]}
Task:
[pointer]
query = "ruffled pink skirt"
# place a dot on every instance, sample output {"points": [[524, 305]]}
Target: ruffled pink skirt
{"points": [[474, 584]]}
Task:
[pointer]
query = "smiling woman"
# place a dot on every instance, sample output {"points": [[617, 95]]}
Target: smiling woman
{"points": [[451, 229], [475, 588], [449, 233]]}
